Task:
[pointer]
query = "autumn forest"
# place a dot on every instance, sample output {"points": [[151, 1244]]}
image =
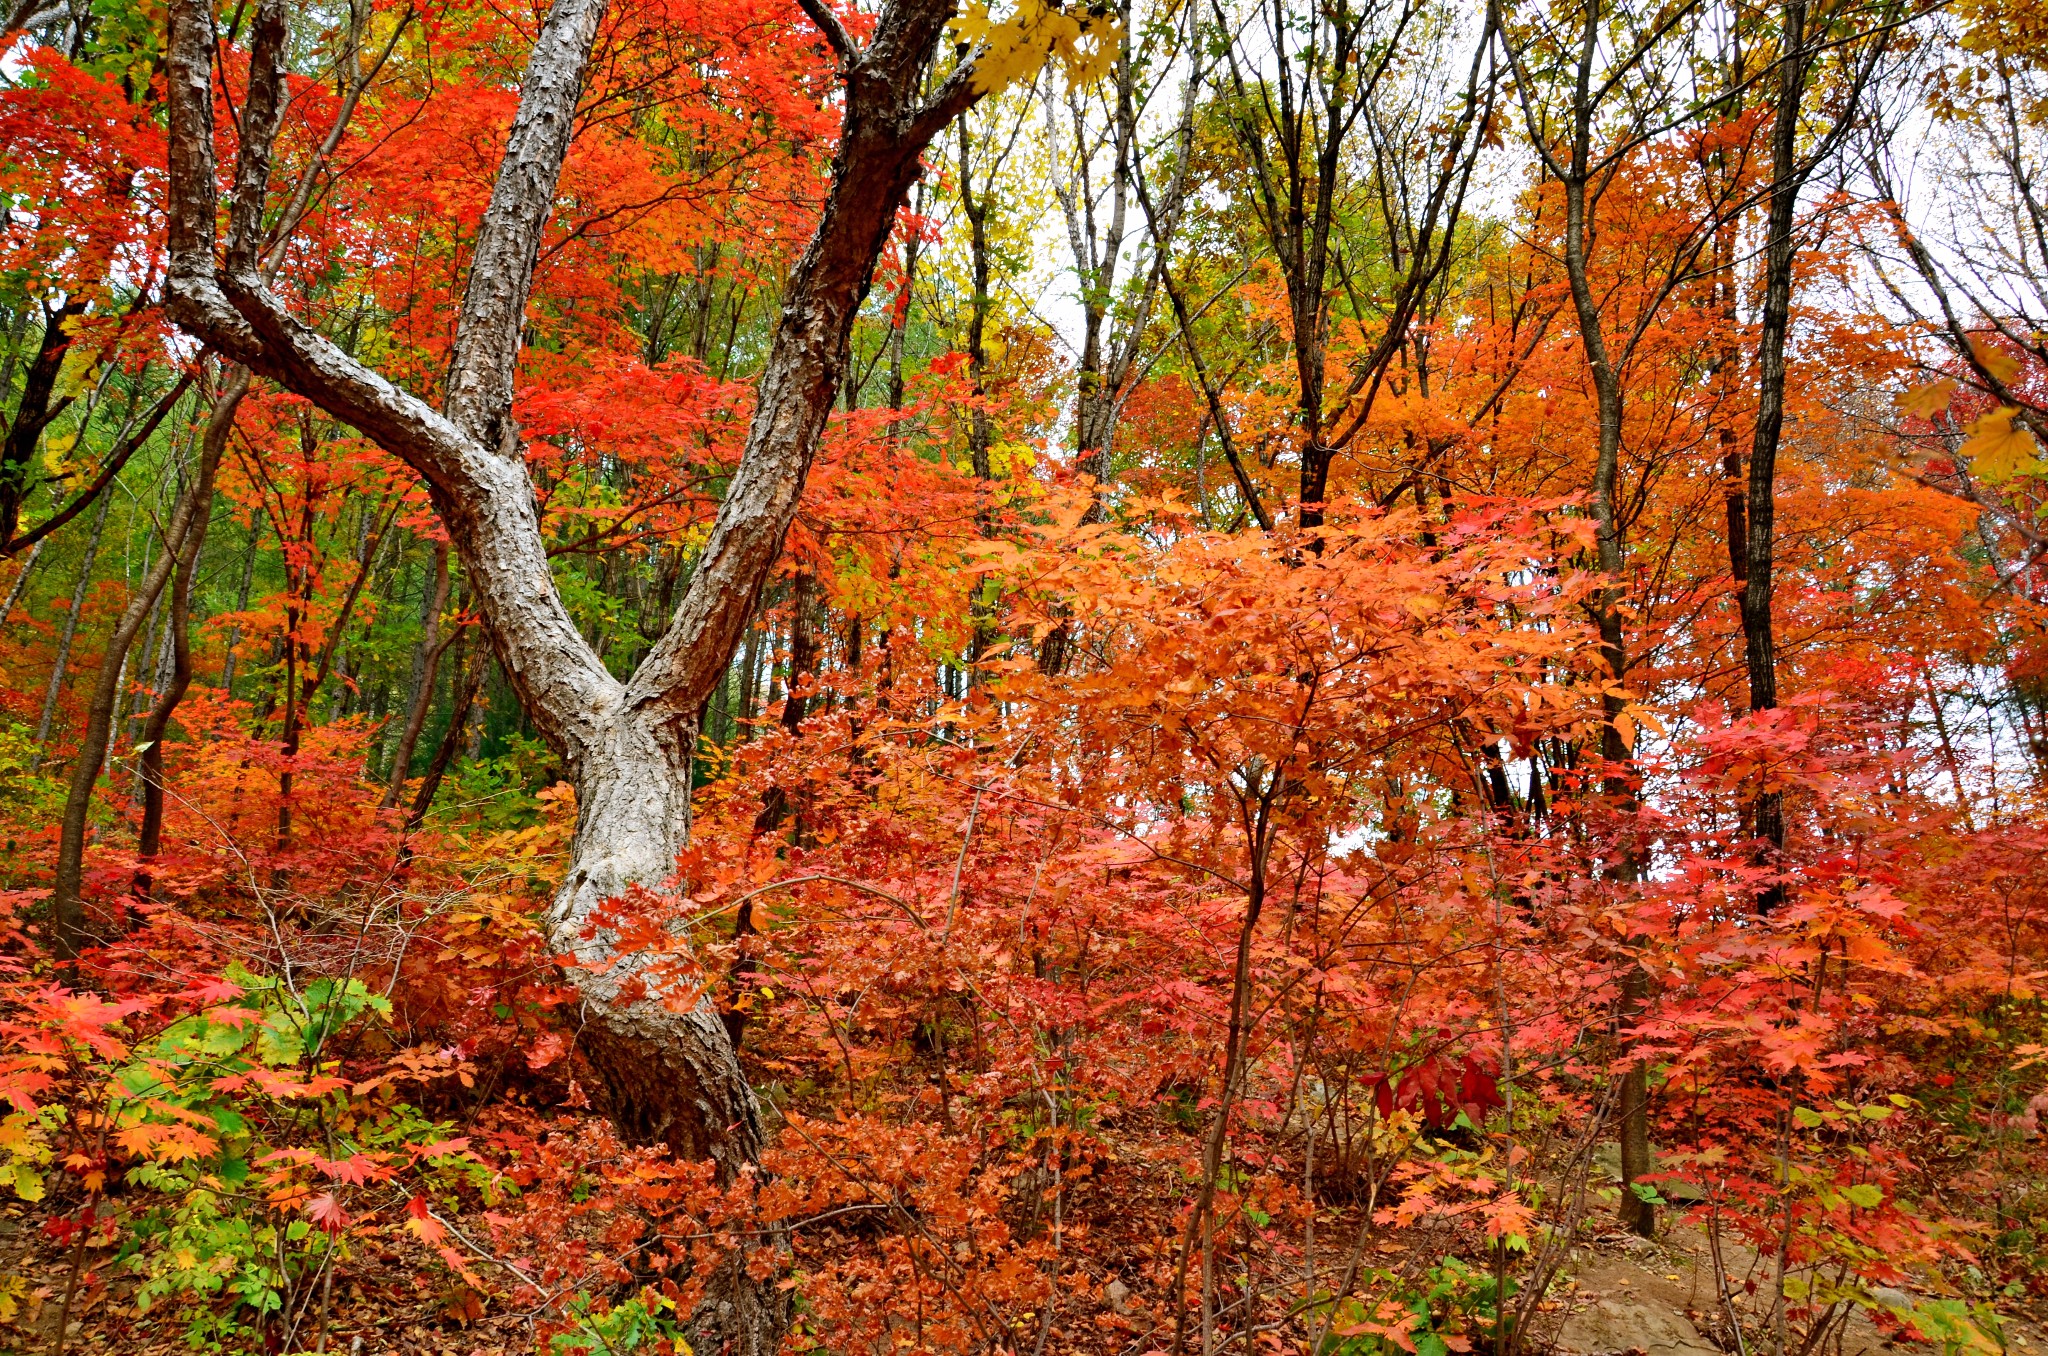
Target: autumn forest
{"points": [[1339, 677]]}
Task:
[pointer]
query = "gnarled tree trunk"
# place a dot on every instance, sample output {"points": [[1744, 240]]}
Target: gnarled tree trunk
{"points": [[673, 1075]]}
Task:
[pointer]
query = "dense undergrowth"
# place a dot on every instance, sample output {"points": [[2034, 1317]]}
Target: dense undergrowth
{"points": [[316, 1089]]}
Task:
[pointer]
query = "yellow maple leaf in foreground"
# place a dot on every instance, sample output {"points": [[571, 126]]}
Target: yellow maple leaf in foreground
{"points": [[1999, 448], [1929, 400], [1996, 361]]}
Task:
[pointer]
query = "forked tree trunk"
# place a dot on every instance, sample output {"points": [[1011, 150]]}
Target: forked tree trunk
{"points": [[672, 1073]]}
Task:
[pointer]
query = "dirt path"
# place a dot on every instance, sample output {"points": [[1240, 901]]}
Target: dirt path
{"points": [[1659, 1299]]}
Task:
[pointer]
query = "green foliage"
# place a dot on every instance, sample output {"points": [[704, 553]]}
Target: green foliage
{"points": [[503, 792], [646, 1323], [25, 1142], [26, 795], [1456, 1307], [211, 1256], [230, 1220]]}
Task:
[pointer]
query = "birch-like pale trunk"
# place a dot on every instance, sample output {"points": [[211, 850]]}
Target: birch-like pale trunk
{"points": [[671, 1071]]}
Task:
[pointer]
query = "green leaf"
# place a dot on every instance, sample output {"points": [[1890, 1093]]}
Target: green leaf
{"points": [[1807, 1118], [1864, 1194]]}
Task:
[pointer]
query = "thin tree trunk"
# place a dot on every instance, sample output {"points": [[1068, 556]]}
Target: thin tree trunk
{"points": [[172, 691], [162, 675], [1759, 644], [70, 633], [750, 680], [464, 691], [1104, 361], [181, 538], [1618, 784], [1201, 1224], [426, 662], [227, 668], [21, 582], [306, 672], [899, 314]]}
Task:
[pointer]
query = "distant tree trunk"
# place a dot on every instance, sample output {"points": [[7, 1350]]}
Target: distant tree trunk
{"points": [[307, 671], [1619, 780], [21, 582], [70, 632], [181, 539], [227, 667], [165, 641], [980, 429], [899, 314], [979, 433], [1105, 360], [150, 841], [463, 692], [426, 662], [750, 679], [806, 608]]}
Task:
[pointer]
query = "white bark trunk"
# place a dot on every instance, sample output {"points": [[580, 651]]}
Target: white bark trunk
{"points": [[673, 1074]]}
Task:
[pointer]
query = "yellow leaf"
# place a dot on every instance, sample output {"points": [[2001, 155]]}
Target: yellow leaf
{"points": [[1085, 44], [57, 454], [1929, 400], [1999, 449], [1996, 361], [971, 26]]}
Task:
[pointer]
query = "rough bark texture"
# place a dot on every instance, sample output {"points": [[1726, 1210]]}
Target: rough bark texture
{"points": [[673, 1075]]}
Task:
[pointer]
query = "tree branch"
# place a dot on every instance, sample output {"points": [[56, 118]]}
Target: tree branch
{"points": [[116, 459], [835, 32]]}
